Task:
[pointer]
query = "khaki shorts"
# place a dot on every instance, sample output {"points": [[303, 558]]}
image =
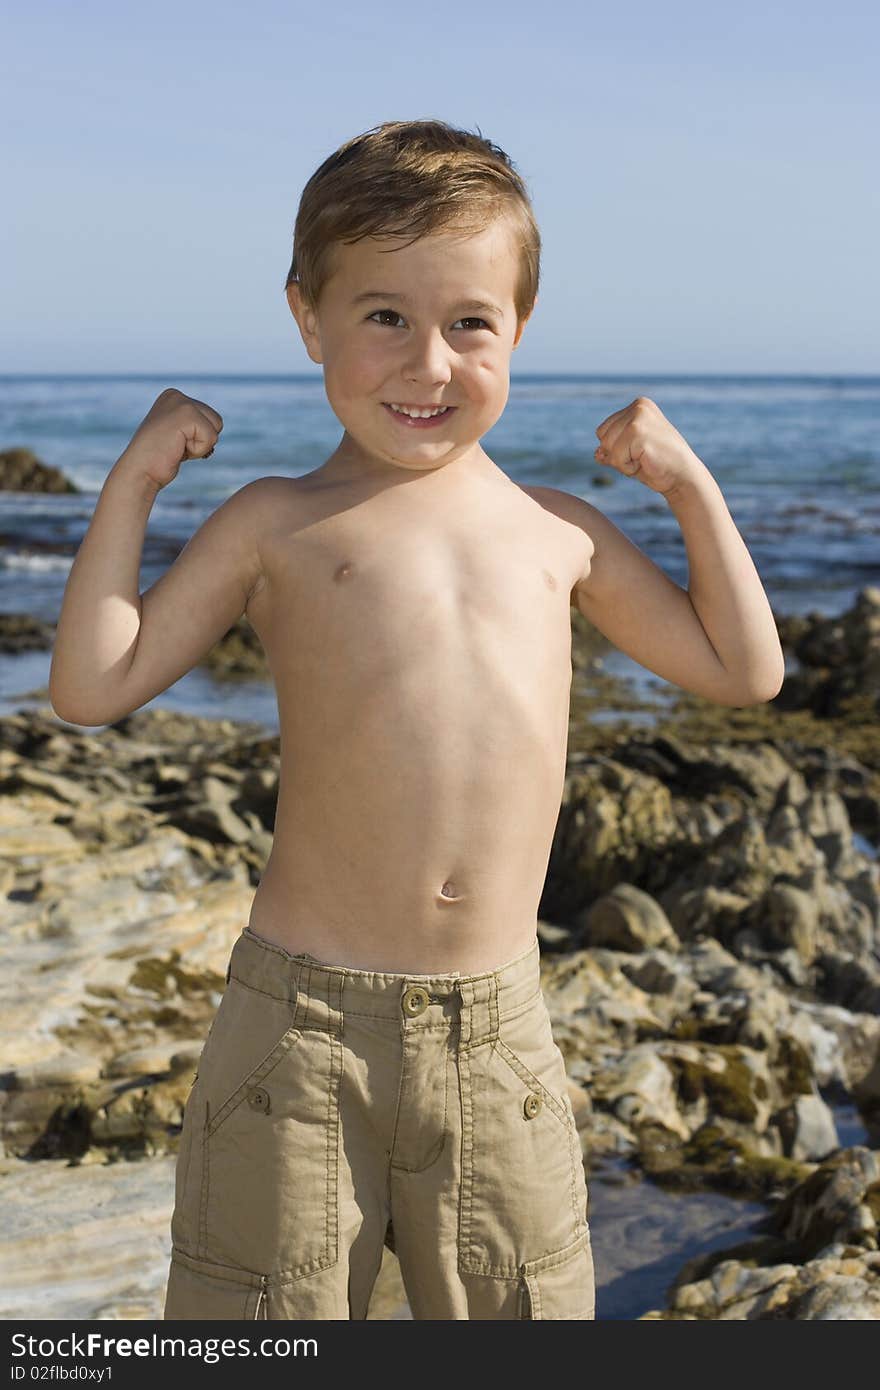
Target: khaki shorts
{"points": [[334, 1111]]}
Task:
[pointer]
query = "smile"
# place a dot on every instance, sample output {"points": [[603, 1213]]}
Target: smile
{"points": [[414, 417]]}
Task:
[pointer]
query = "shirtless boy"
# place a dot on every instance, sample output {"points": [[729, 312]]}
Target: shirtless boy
{"points": [[381, 1067]]}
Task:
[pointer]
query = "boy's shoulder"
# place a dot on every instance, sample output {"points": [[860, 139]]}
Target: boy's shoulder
{"points": [[567, 507]]}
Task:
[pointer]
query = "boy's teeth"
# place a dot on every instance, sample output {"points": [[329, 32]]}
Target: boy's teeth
{"points": [[419, 414]]}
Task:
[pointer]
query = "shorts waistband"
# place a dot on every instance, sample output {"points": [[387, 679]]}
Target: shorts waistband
{"points": [[322, 993]]}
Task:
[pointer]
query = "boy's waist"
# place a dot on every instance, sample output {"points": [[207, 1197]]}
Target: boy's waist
{"points": [[322, 991]]}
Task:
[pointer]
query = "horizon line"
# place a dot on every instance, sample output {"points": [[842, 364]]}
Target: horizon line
{"points": [[517, 376]]}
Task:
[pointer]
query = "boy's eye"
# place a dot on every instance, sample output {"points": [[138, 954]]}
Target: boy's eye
{"points": [[394, 314]]}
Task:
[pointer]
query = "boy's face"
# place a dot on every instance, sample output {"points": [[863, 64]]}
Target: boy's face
{"points": [[419, 341]]}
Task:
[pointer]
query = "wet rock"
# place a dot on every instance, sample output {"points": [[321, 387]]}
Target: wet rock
{"points": [[21, 632], [840, 1201], [817, 1256], [714, 1157], [840, 1044], [866, 1093], [807, 1128], [22, 471], [839, 660]]}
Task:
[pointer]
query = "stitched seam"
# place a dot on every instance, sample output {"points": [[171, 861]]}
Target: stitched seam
{"points": [[337, 1062], [202, 1245], [331, 1161], [213, 1268], [534, 1296], [400, 1082], [257, 1074], [467, 1161], [393, 1018], [254, 989], [572, 1159], [542, 1263], [528, 1077], [520, 1008], [399, 1168]]}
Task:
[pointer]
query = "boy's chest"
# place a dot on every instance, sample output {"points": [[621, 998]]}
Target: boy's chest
{"points": [[400, 576]]}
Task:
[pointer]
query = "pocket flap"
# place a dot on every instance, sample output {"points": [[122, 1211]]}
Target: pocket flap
{"points": [[562, 1285]]}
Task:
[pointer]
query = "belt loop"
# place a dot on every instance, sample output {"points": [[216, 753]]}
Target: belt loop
{"points": [[334, 1001], [493, 1007], [300, 976], [466, 993]]}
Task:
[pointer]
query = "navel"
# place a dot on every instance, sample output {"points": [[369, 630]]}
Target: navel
{"points": [[344, 570], [448, 889]]}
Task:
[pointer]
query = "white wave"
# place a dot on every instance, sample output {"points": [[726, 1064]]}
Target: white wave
{"points": [[23, 560]]}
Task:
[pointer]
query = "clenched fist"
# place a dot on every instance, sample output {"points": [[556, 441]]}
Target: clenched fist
{"points": [[641, 443], [175, 428]]}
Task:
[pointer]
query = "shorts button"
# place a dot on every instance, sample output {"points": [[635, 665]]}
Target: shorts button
{"points": [[259, 1100], [415, 1001], [531, 1105]]}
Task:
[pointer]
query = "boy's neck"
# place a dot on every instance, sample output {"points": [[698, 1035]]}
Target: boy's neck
{"points": [[350, 463]]}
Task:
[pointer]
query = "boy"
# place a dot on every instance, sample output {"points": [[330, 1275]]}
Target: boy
{"points": [[381, 1066]]}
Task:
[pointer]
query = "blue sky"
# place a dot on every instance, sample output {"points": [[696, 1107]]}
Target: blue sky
{"points": [[702, 173]]}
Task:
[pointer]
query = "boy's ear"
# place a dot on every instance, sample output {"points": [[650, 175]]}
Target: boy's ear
{"points": [[521, 326], [307, 321]]}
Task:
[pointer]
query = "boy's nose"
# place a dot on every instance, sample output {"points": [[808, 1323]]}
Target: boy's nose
{"points": [[428, 359]]}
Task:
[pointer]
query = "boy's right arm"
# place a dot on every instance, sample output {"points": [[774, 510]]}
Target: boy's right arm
{"points": [[116, 649]]}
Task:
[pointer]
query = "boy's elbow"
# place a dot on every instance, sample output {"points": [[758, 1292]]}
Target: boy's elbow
{"points": [[72, 716], [760, 695], [87, 716]]}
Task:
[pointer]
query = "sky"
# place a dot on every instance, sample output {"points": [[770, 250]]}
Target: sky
{"points": [[704, 174]]}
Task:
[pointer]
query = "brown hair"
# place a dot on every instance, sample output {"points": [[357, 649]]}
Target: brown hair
{"points": [[411, 178]]}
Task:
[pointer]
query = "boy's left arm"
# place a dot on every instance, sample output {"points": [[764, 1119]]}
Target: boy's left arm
{"points": [[718, 638]]}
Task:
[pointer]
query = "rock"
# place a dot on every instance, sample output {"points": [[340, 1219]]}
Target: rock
{"points": [[839, 658], [625, 919], [716, 1158], [866, 1093], [639, 1087], [21, 632], [827, 1206], [22, 471], [660, 972], [839, 1043], [789, 917], [553, 937], [807, 1128], [212, 817], [698, 914], [141, 1061], [732, 972], [62, 1069]]}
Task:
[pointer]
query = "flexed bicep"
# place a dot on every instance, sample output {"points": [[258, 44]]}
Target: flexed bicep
{"points": [[199, 597]]}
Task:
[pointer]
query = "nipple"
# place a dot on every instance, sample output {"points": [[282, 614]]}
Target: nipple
{"points": [[550, 578], [344, 570]]}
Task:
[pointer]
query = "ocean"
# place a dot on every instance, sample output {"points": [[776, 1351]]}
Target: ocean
{"points": [[797, 458]]}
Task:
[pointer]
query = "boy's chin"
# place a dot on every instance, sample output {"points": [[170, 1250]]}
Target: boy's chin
{"points": [[371, 446]]}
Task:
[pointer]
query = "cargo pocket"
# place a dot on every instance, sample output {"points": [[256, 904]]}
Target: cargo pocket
{"points": [[523, 1192], [196, 1291], [561, 1285], [258, 1179]]}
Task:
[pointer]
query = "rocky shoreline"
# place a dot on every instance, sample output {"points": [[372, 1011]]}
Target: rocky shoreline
{"points": [[710, 932]]}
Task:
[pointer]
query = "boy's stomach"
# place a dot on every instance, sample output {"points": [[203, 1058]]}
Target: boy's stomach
{"points": [[417, 839]]}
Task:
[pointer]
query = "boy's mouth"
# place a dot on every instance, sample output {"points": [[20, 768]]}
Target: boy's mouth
{"points": [[424, 418]]}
